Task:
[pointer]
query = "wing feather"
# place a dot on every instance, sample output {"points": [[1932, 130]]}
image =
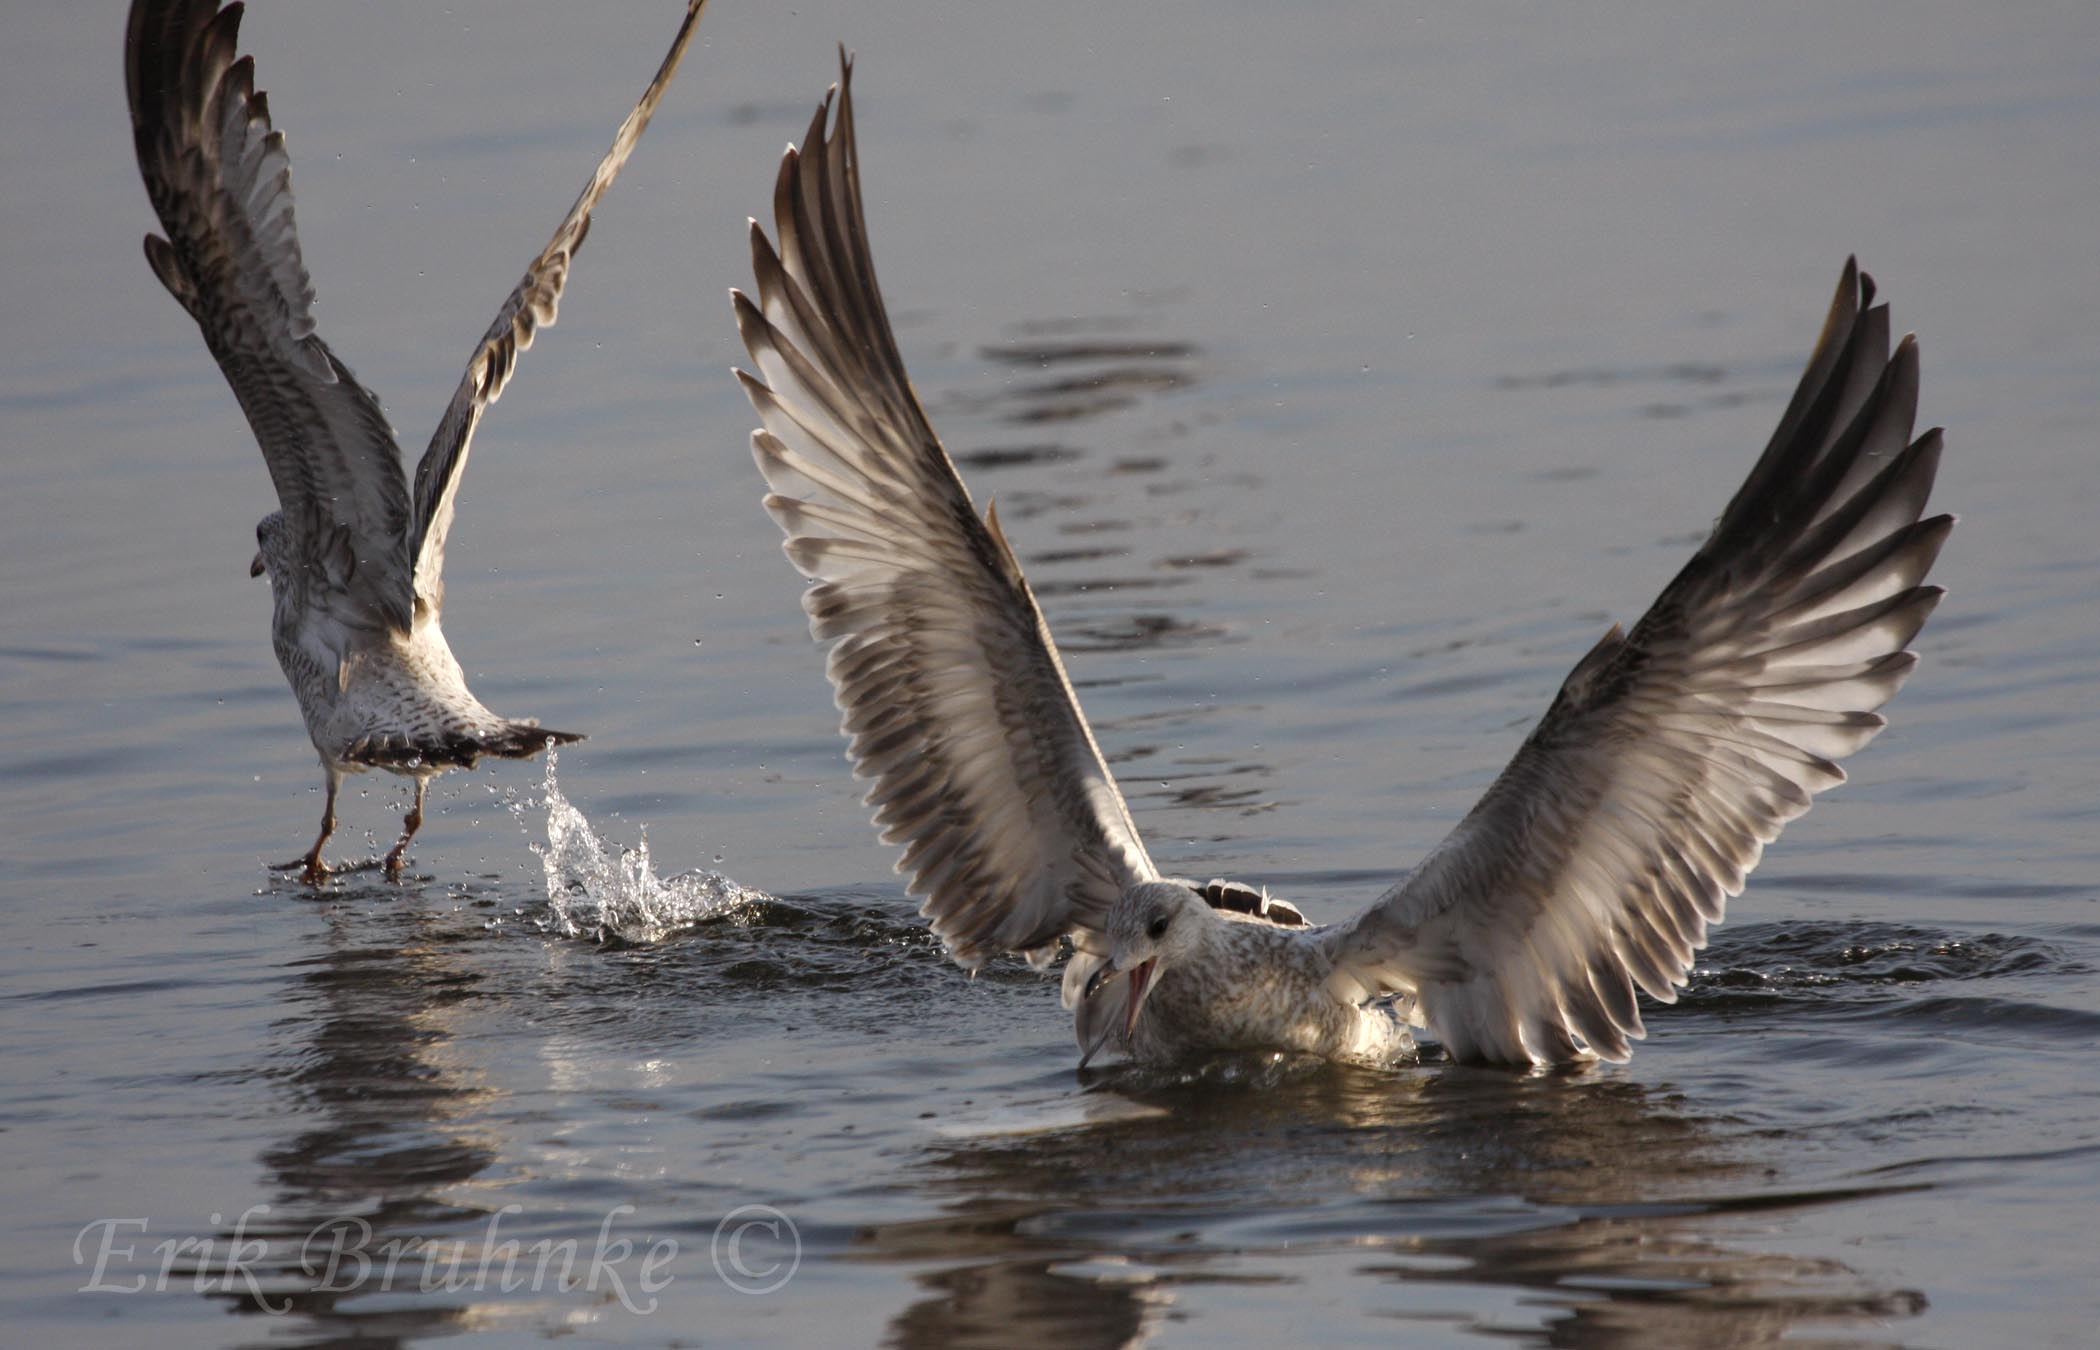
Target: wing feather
{"points": [[531, 306], [219, 178], [1673, 754], [949, 687]]}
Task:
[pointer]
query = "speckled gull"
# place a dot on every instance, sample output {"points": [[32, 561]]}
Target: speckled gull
{"points": [[355, 560], [1591, 868]]}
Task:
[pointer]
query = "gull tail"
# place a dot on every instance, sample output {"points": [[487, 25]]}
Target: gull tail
{"points": [[523, 740], [454, 750]]}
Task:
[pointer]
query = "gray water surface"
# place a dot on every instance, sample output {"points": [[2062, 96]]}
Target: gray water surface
{"points": [[1340, 371]]}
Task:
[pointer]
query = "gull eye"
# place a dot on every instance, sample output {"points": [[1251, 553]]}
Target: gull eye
{"points": [[1158, 929]]}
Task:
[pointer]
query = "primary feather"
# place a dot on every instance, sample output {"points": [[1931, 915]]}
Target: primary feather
{"points": [[953, 698]]}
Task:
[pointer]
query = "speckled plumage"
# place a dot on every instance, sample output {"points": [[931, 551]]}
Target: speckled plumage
{"points": [[354, 557], [1237, 983], [1592, 867]]}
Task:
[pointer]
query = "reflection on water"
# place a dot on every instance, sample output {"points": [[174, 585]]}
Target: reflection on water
{"points": [[1614, 1223], [1097, 350], [1651, 1278], [1096, 367], [1129, 632], [1007, 1290], [990, 459], [1082, 378], [1706, 378], [1681, 372], [1090, 394], [387, 1134]]}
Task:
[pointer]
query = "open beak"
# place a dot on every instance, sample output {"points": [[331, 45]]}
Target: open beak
{"points": [[255, 569], [1095, 1048], [1140, 985], [1140, 976]]}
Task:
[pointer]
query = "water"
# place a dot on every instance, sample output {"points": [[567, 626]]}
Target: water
{"points": [[1340, 374], [604, 890]]}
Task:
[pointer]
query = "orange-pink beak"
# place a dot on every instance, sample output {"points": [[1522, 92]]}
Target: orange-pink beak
{"points": [[1140, 976]]}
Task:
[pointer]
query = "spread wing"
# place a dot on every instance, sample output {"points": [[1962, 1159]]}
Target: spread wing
{"points": [[1674, 753], [219, 178], [953, 696], [529, 308]]}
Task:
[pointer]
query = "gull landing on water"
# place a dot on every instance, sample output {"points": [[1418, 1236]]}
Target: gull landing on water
{"points": [[355, 560], [1593, 866]]}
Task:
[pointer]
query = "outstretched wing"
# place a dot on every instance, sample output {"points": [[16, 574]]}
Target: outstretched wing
{"points": [[219, 178], [1674, 753], [529, 308], [952, 692]]}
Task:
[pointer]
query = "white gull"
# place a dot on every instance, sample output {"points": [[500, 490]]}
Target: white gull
{"points": [[1592, 867], [355, 560]]}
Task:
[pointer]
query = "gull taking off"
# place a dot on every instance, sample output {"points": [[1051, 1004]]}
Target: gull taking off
{"points": [[1593, 866], [353, 556]]}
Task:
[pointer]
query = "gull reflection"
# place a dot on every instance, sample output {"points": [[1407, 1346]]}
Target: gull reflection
{"points": [[1600, 1210], [386, 1132]]}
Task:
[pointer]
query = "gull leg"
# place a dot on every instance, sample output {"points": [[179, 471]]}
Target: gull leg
{"points": [[312, 870], [410, 823]]}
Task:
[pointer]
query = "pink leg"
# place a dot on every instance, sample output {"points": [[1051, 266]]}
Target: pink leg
{"points": [[410, 823], [316, 870]]}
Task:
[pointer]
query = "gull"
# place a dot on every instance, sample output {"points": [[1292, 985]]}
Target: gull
{"points": [[354, 557], [1591, 868]]}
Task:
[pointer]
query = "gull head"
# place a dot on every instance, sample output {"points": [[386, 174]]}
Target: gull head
{"points": [[270, 546], [1153, 926]]}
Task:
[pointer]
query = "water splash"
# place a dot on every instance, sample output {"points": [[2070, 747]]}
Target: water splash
{"points": [[602, 890]]}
